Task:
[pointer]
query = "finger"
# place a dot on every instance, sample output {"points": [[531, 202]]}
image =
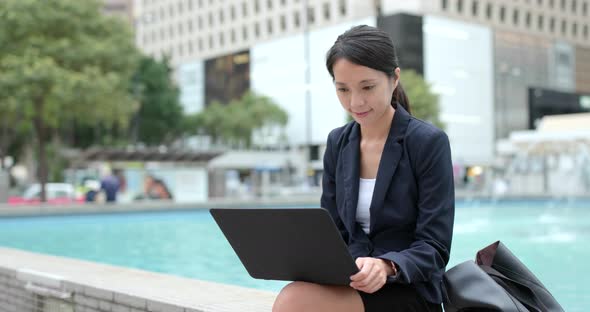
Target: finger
{"points": [[375, 278], [374, 285], [369, 273], [359, 263], [364, 267]]}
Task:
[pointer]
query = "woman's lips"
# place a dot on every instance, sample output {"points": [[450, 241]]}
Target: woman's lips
{"points": [[361, 115]]}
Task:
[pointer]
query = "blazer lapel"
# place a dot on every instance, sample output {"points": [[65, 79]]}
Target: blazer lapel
{"points": [[351, 168], [392, 153]]}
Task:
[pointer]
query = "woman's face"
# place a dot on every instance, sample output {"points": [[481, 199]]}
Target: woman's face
{"points": [[365, 93]]}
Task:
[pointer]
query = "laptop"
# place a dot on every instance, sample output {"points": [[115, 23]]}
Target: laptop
{"points": [[288, 244]]}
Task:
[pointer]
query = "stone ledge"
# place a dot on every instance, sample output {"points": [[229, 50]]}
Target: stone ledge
{"points": [[137, 289]]}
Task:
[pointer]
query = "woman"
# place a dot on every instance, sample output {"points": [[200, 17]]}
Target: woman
{"points": [[388, 185]]}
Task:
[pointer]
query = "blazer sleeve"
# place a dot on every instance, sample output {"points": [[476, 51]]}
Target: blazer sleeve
{"points": [[429, 253], [328, 199]]}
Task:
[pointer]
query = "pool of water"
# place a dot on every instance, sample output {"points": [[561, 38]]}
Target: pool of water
{"points": [[550, 237]]}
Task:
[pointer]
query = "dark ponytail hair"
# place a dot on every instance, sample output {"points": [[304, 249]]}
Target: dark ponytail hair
{"points": [[370, 47]]}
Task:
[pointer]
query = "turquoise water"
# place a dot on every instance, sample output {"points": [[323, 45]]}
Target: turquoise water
{"points": [[550, 237]]}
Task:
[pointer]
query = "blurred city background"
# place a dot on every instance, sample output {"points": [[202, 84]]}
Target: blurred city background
{"points": [[191, 102]]}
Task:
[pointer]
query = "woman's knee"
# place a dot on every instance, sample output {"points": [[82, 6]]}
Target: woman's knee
{"points": [[292, 297], [302, 296]]}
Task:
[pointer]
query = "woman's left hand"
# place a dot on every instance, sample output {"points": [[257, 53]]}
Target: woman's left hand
{"points": [[372, 275]]}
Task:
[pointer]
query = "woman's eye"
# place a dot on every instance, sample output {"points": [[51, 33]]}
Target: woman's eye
{"points": [[368, 87], [342, 89]]}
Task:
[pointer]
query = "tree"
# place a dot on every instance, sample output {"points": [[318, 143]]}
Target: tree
{"points": [[423, 103], [13, 133], [157, 120], [235, 122], [63, 60]]}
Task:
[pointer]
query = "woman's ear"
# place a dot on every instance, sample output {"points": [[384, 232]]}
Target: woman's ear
{"points": [[396, 77]]}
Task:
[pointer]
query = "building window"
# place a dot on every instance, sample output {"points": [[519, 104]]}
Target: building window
{"points": [[528, 19], [474, 8], [327, 11], [171, 31], [190, 26], [180, 50], [502, 13], [551, 3], [180, 7], [563, 5], [574, 6], [232, 12], [200, 22], [269, 26], [540, 2], [180, 29], [269, 4], [575, 29], [257, 30], [283, 22], [296, 21], [489, 11], [283, 2], [210, 18], [552, 24], [171, 11], [210, 41], [585, 31], [233, 36], [200, 43], [460, 6], [221, 40], [190, 5], [162, 34], [585, 8], [540, 22], [200, 4], [343, 7], [515, 17], [190, 47], [245, 9], [256, 6], [310, 15], [444, 4], [563, 27], [221, 17]]}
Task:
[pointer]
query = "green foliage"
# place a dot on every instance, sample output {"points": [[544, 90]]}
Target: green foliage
{"points": [[235, 122], [423, 103], [160, 114], [63, 60]]}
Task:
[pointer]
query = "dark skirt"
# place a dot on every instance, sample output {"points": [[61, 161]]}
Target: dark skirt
{"points": [[397, 297]]}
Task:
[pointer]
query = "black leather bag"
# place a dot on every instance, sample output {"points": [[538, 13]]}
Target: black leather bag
{"points": [[496, 281]]}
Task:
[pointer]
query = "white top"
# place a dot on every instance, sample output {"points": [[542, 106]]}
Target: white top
{"points": [[363, 214]]}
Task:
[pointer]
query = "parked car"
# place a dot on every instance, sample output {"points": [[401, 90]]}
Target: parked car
{"points": [[56, 193]]}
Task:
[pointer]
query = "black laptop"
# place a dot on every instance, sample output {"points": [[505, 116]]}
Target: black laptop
{"points": [[288, 244]]}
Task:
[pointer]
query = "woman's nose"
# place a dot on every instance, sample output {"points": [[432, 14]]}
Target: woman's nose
{"points": [[356, 100]]}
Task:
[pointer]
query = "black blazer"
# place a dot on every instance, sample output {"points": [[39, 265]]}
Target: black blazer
{"points": [[413, 205]]}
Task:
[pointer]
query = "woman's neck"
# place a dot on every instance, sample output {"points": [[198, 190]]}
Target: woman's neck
{"points": [[380, 129]]}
